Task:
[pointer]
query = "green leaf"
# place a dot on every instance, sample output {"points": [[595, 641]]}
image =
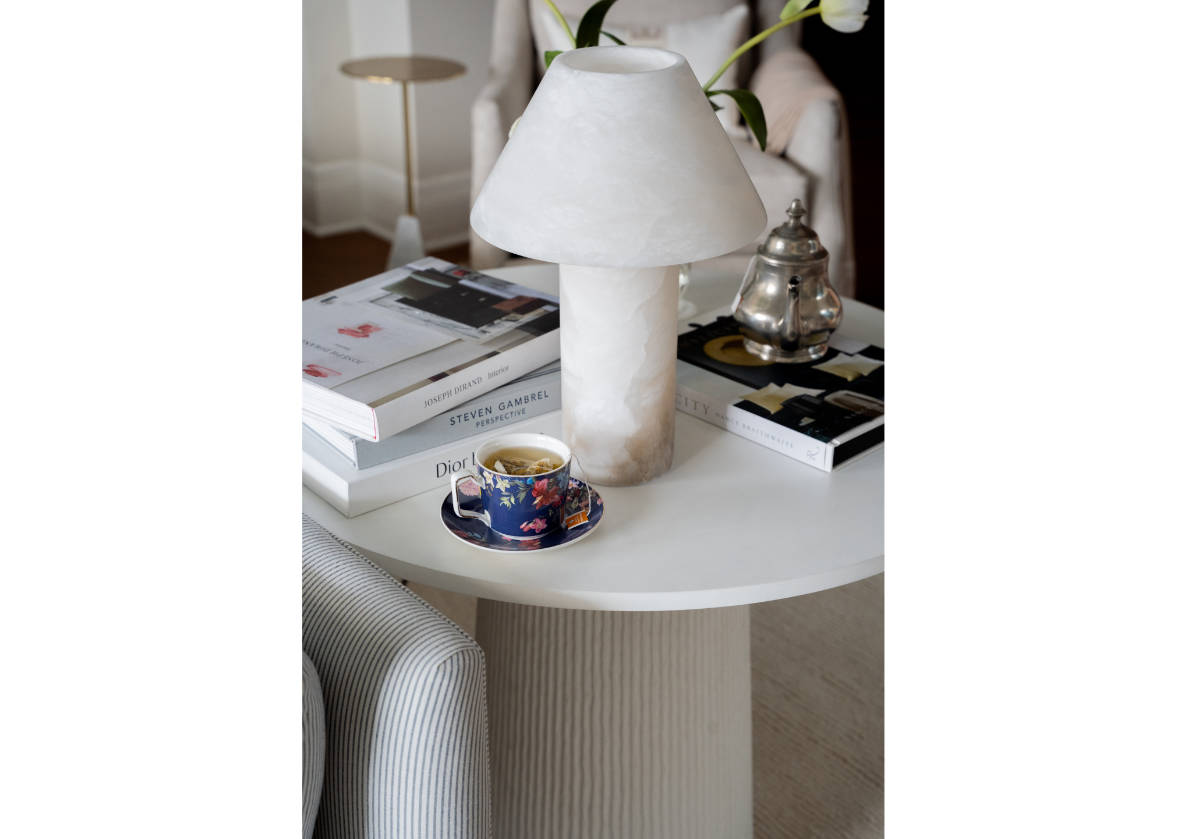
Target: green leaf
{"points": [[793, 8], [751, 110], [588, 34], [614, 37], [551, 55], [715, 106]]}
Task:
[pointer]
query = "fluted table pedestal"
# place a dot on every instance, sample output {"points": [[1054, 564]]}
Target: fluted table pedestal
{"points": [[631, 725]]}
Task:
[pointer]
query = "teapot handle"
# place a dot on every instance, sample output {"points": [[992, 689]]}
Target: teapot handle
{"points": [[737, 299]]}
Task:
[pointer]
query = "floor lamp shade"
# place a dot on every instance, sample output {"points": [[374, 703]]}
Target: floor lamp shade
{"points": [[619, 171], [618, 161]]}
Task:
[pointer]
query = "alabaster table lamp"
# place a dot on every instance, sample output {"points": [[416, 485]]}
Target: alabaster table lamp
{"points": [[619, 171]]}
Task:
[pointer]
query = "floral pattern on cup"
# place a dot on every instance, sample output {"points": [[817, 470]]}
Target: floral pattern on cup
{"points": [[546, 494], [522, 507], [535, 526]]}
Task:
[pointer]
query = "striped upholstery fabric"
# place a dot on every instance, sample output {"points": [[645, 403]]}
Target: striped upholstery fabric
{"points": [[313, 749], [405, 706]]}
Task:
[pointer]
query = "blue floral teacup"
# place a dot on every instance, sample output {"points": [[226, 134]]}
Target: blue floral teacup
{"points": [[517, 506]]}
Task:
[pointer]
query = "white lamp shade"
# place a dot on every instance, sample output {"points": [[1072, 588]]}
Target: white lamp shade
{"points": [[618, 161]]}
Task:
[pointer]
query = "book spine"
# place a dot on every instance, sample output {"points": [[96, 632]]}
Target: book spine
{"points": [[421, 474], [354, 492], [492, 412], [757, 429], [406, 411]]}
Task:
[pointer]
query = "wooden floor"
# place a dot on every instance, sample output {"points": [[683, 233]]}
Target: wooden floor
{"points": [[331, 262]]}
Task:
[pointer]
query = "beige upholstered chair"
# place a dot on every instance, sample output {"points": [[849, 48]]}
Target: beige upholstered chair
{"points": [[807, 154]]}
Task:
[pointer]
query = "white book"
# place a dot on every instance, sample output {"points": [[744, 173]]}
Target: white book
{"points": [[354, 491], [386, 353], [539, 392]]}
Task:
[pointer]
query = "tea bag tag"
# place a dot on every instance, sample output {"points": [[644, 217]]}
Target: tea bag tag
{"points": [[581, 516]]}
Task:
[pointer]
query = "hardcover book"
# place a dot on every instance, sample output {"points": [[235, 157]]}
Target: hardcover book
{"points": [[354, 491], [386, 353], [821, 413], [530, 396]]}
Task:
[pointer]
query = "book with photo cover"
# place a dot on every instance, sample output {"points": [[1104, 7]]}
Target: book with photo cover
{"points": [[530, 396], [822, 412], [386, 353]]}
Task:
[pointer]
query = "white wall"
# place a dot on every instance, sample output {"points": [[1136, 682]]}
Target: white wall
{"points": [[353, 136], [330, 139]]}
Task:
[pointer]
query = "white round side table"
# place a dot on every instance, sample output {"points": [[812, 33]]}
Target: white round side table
{"points": [[619, 668]]}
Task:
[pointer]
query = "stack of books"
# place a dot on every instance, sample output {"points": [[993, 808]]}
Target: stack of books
{"points": [[405, 373]]}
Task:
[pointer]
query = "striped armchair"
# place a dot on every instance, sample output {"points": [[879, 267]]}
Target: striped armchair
{"points": [[402, 687]]}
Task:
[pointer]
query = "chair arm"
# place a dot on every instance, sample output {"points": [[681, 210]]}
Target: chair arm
{"points": [[405, 708], [502, 100], [806, 123], [312, 767]]}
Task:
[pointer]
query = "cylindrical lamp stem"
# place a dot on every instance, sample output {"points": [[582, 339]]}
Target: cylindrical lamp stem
{"points": [[618, 370], [411, 207]]}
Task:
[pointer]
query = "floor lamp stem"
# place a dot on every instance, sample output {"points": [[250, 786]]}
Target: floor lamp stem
{"points": [[408, 151]]}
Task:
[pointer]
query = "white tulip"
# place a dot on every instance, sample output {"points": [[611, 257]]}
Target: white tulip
{"points": [[844, 15]]}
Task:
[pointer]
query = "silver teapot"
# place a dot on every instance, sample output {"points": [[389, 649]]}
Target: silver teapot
{"points": [[786, 309]]}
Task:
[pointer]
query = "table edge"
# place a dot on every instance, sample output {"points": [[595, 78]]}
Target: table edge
{"points": [[623, 601]]}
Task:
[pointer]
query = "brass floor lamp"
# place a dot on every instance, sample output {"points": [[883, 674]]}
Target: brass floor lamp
{"points": [[407, 244]]}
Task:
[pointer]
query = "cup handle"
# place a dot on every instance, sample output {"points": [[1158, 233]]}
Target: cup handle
{"points": [[455, 479]]}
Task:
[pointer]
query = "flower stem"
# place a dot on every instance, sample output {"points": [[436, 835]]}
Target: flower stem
{"points": [[761, 36], [561, 20]]}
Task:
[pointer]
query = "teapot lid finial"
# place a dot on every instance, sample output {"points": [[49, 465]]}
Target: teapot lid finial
{"points": [[793, 240]]}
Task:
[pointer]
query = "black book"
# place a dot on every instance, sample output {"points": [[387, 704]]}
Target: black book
{"points": [[821, 412]]}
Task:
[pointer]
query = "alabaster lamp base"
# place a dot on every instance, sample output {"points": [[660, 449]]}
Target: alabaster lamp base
{"points": [[618, 370]]}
